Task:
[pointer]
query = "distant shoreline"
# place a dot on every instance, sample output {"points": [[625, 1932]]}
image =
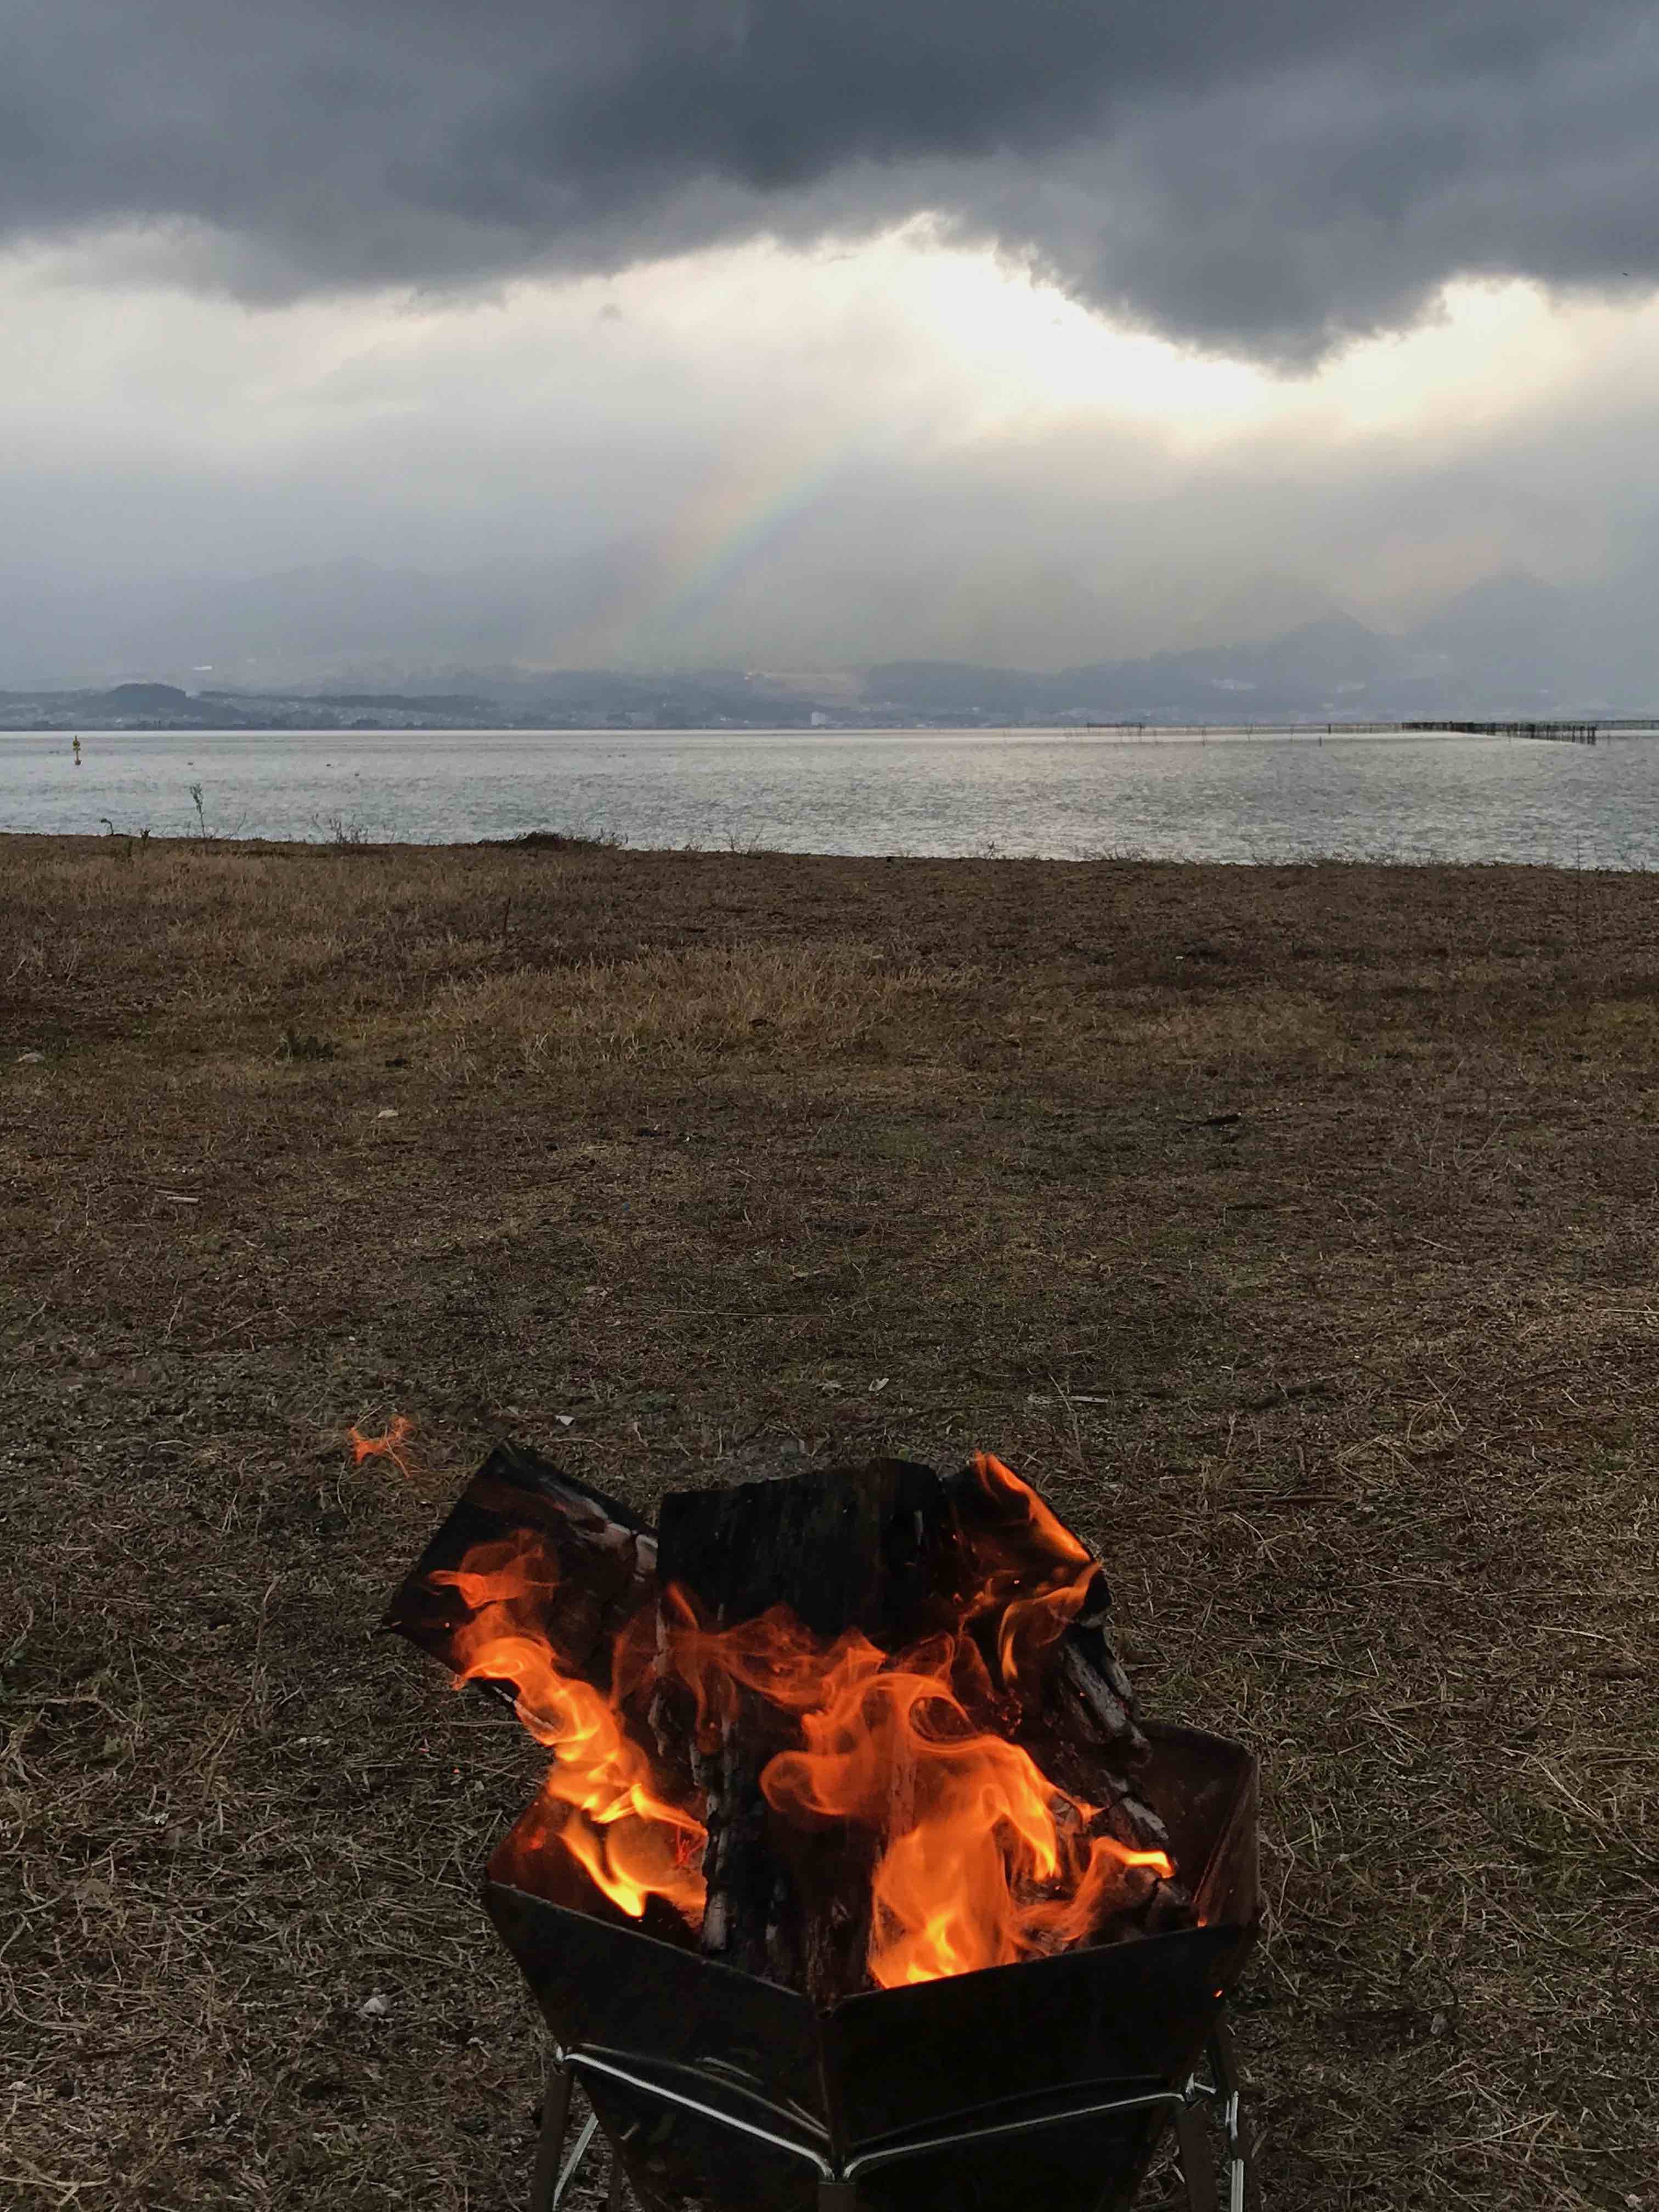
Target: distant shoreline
{"points": [[123, 843]]}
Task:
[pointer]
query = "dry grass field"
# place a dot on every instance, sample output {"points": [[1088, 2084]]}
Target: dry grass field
{"points": [[1298, 1228]]}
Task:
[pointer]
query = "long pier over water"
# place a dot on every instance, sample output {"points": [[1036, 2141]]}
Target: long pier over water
{"points": [[1564, 734]]}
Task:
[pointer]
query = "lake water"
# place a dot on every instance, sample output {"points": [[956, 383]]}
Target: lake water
{"points": [[1063, 794]]}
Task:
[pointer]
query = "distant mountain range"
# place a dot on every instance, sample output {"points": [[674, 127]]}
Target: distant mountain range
{"points": [[1510, 645], [580, 699]]}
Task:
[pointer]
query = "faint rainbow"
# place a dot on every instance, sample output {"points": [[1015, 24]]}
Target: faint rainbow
{"points": [[719, 532]]}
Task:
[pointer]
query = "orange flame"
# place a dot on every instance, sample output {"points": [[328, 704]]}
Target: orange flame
{"points": [[985, 1861], [598, 1799], [980, 1859], [389, 1446]]}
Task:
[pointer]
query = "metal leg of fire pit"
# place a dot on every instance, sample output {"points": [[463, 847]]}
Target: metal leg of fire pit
{"points": [[556, 2118], [549, 2180], [839, 2191], [1197, 2161]]}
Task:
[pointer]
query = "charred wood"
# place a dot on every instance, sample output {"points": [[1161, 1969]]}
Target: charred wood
{"points": [[868, 1548]]}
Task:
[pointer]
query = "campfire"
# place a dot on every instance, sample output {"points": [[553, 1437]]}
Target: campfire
{"points": [[855, 1867]]}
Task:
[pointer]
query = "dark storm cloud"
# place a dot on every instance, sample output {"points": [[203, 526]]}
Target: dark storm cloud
{"points": [[1273, 174]]}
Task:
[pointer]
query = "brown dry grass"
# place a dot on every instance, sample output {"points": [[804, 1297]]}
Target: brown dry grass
{"points": [[1297, 1226]]}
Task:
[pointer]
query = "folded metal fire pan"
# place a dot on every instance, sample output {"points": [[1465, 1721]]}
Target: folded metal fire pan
{"points": [[1042, 2086]]}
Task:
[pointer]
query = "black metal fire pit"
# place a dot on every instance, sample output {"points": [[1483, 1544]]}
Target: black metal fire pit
{"points": [[1046, 2084]]}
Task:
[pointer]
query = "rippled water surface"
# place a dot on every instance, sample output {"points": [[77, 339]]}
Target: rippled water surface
{"points": [[1066, 794]]}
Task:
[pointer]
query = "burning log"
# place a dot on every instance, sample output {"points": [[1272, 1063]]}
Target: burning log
{"points": [[858, 1728], [891, 1556], [1079, 1717], [867, 1548], [862, 1550]]}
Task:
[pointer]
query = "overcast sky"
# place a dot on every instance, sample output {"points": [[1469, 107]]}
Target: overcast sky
{"points": [[804, 331]]}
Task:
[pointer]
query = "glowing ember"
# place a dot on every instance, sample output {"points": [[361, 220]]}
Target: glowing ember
{"points": [[389, 1446], [978, 1859]]}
